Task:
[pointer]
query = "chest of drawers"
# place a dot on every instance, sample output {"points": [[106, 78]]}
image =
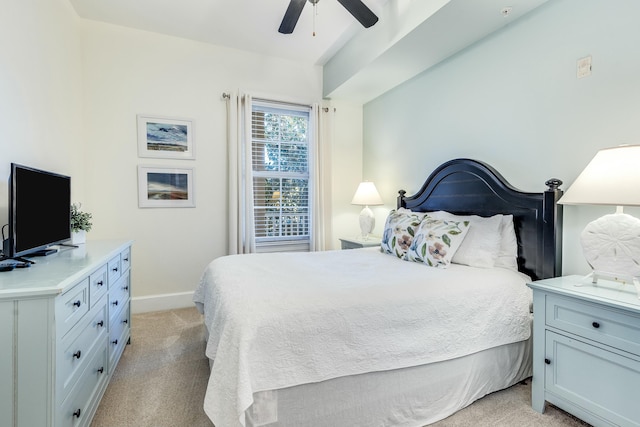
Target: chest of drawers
{"points": [[64, 323], [586, 348]]}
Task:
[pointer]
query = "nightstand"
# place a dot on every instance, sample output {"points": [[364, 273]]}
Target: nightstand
{"points": [[358, 243], [586, 349]]}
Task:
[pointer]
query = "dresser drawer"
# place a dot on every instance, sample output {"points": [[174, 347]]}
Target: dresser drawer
{"points": [[118, 295], [115, 269], [125, 259], [79, 407], [617, 329], [98, 284], [71, 306], [79, 346], [119, 333]]}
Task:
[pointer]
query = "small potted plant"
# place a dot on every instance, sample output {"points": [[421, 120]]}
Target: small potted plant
{"points": [[80, 224]]}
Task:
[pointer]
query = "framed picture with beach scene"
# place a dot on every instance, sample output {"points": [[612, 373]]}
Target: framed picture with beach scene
{"points": [[165, 187], [164, 137]]}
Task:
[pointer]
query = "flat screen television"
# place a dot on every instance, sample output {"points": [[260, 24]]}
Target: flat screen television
{"points": [[39, 211]]}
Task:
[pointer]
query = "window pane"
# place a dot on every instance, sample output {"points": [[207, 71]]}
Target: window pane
{"points": [[280, 159]]}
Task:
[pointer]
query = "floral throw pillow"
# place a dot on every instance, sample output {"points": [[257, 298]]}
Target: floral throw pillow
{"points": [[436, 241], [399, 230]]}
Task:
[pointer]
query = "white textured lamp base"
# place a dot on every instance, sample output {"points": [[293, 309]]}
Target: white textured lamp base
{"points": [[367, 222], [611, 245]]}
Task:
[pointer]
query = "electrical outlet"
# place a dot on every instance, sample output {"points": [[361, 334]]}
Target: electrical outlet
{"points": [[584, 67]]}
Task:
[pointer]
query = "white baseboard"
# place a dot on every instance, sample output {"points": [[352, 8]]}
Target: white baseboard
{"points": [[161, 302]]}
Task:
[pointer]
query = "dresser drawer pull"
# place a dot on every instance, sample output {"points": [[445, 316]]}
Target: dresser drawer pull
{"points": [[126, 259], [547, 361], [77, 303], [125, 321], [101, 370], [77, 413], [100, 323], [115, 269], [100, 283], [595, 325], [114, 342], [125, 288], [77, 354], [115, 302]]}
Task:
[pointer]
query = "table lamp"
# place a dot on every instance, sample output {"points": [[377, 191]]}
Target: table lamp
{"points": [[366, 195], [611, 244]]}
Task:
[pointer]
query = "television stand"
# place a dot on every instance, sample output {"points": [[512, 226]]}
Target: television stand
{"points": [[43, 252]]}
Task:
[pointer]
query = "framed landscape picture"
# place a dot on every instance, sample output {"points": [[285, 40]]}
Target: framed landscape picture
{"points": [[165, 187], [164, 137]]}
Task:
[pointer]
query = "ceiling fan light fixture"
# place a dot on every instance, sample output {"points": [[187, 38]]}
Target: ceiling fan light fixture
{"points": [[356, 8]]}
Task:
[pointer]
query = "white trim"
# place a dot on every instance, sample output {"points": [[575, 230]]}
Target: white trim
{"points": [[161, 302]]}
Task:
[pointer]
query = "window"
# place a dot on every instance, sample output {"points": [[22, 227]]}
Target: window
{"points": [[280, 138]]}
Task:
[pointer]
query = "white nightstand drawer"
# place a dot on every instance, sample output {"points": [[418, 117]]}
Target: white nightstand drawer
{"points": [[607, 326]]}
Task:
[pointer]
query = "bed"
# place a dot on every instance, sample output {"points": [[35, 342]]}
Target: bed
{"points": [[365, 338]]}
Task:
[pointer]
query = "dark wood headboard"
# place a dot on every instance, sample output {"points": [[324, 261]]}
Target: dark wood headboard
{"points": [[466, 187]]}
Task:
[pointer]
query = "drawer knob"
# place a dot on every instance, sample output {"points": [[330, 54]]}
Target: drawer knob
{"points": [[115, 269], [595, 325], [547, 361], [125, 321], [77, 354], [115, 302], [126, 288], [114, 342], [77, 413], [126, 259], [101, 370], [77, 303], [100, 323], [100, 283]]}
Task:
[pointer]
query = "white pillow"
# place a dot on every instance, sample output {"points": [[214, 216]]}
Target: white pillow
{"points": [[508, 255], [436, 241], [481, 246]]}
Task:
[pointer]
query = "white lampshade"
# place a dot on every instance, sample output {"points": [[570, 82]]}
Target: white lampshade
{"points": [[611, 178], [611, 243], [367, 195]]}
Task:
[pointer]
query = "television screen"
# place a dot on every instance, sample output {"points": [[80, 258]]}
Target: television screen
{"points": [[39, 210]]}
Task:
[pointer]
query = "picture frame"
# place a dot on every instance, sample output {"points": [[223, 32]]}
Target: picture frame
{"points": [[166, 187], [165, 137]]}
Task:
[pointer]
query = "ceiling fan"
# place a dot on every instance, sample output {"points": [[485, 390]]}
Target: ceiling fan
{"points": [[359, 10]]}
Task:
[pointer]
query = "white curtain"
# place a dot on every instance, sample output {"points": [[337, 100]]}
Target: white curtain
{"points": [[321, 184], [241, 234]]}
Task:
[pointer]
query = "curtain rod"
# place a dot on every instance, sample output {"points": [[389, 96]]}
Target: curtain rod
{"points": [[226, 95]]}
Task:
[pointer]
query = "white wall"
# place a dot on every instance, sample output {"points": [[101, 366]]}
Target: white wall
{"points": [[40, 91], [513, 101], [129, 72], [346, 171]]}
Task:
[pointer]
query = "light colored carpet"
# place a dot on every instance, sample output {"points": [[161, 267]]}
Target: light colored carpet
{"points": [[162, 376]]}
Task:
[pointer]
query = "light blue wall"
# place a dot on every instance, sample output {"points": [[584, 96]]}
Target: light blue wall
{"points": [[513, 101]]}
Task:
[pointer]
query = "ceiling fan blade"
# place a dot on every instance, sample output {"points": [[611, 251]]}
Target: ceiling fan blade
{"points": [[360, 11], [291, 16]]}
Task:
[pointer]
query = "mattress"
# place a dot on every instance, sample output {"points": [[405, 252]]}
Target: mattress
{"points": [[281, 320]]}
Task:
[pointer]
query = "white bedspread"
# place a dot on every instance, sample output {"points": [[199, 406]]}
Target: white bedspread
{"points": [[278, 320]]}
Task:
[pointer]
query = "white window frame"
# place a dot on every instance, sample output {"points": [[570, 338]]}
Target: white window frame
{"points": [[284, 242]]}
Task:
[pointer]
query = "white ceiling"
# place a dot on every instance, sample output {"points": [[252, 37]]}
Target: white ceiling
{"points": [[250, 25]]}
